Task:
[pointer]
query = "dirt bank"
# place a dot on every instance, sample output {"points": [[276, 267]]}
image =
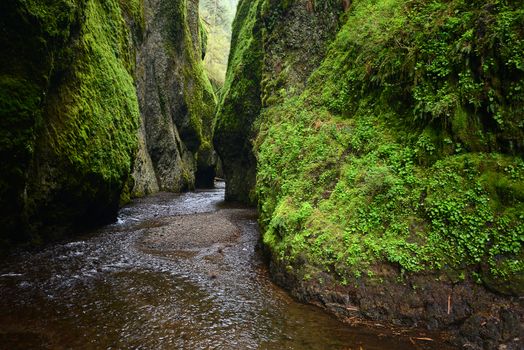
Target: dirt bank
{"points": [[470, 316]]}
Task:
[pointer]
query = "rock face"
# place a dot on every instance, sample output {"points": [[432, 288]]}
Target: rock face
{"points": [[240, 104], [383, 143], [69, 113], [275, 46], [176, 100], [468, 314], [79, 80]]}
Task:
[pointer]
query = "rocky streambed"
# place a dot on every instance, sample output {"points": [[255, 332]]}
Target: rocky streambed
{"points": [[175, 272]]}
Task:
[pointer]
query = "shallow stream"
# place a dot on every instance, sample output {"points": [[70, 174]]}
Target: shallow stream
{"points": [[142, 284]]}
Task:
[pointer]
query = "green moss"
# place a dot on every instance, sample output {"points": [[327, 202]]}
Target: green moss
{"points": [[240, 103], [433, 67], [198, 94], [71, 110], [69, 97], [199, 97], [135, 9], [33, 36], [400, 149], [348, 196], [19, 106], [93, 114], [54, 16]]}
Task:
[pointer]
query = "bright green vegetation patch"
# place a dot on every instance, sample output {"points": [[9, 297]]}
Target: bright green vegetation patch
{"points": [[69, 113], [95, 112], [405, 148]]}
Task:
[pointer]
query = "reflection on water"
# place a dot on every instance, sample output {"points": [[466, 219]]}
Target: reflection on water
{"points": [[104, 291]]}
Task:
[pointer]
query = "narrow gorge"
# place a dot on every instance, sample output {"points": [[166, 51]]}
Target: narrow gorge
{"points": [[380, 141], [101, 101]]}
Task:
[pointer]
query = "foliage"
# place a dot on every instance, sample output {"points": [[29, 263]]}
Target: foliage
{"points": [[217, 16], [405, 147], [69, 107]]}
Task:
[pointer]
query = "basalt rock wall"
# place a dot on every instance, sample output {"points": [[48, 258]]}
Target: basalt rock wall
{"points": [[177, 102]]}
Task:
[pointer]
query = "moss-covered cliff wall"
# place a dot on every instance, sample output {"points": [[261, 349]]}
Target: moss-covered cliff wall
{"points": [[388, 157], [69, 108], [296, 38], [177, 102], [240, 103], [78, 80]]}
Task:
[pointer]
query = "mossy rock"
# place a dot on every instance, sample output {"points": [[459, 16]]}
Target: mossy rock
{"points": [[73, 64], [401, 144]]}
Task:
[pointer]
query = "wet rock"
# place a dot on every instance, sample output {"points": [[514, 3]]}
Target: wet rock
{"points": [[176, 100], [490, 332], [286, 42], [477, 318]]}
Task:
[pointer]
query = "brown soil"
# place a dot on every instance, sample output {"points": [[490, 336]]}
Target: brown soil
{"points": [[469, 315]]}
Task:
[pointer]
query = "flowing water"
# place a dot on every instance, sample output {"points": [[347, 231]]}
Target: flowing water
{"points": [[141, 284]]}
